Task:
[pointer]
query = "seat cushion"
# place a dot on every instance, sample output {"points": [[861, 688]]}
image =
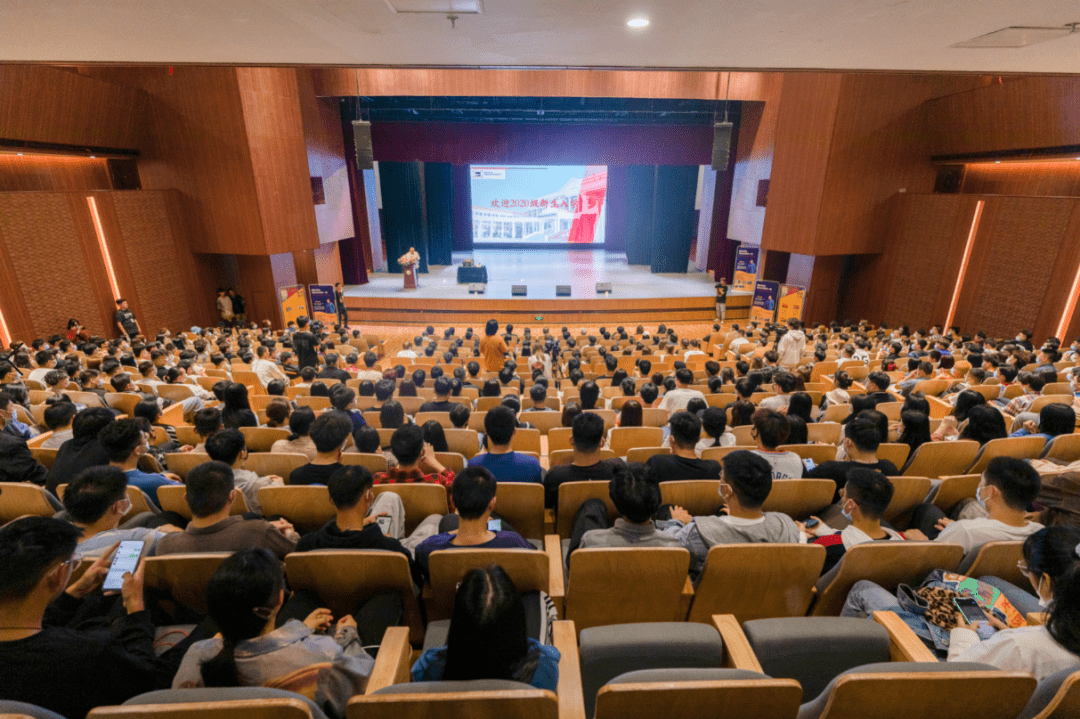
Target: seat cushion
{"points": [[813, 709], [646, 676], [814, 650], [607, 652], [473, 685]]}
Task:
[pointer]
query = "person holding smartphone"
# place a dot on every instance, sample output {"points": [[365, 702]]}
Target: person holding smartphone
{"points": [[51, 665]]}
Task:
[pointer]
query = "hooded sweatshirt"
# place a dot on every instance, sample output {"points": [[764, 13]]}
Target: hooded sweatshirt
{"points": [[791, 348]]}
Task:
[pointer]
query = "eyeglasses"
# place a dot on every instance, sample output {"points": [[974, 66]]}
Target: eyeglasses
{"points": [[1023, 567]]}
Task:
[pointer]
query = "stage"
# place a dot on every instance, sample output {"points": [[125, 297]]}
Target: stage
{"points": [[636, 292]]}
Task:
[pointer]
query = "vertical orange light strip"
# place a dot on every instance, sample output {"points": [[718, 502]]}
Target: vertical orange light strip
{"points": [[964, 264], [5, 335], [104, 247], [1070, 307]]}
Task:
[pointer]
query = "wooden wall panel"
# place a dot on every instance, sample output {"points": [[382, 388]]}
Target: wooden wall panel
{"points": [[1039, 179], [822, 296], [1007, 284], [307, 272], [803, 137], [327, 158], [328, 264], [753, 163], [344, 82], [257, 283], [41, 103], [46, 173], [275, 139], [1026, 112]]}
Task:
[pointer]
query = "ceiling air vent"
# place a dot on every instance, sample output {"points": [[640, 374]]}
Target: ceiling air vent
{"points": [[436, 7], [1018, 36]]}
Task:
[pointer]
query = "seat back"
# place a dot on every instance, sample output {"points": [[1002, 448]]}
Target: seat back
{"points": [[443, 418], [699, 497], [1018, 447], [642, 454], [757, 581], [566, 456], [455, 700], [995, 559], [23, 498], [307, 507], [522, 504], [1065, 447], [1056, 697], [171, 498], [836, 412], [528, 568], [743, 436], [939, 459], [465, 442], [261, 439], [44, 456], [955, 488], [574, 494], [560, 438], [907, 493], [823, 432], [372, 462], [183, 576], [633, 696], [626, 585], [420, 499], [885, 563], [183, 462], [623, 439], [819, 453], [799, 498], [718, 453], [282, 464], [525, 440], [211, 703], [895, 452]]}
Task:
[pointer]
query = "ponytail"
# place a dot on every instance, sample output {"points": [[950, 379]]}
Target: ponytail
{"points": [[221, 671]]}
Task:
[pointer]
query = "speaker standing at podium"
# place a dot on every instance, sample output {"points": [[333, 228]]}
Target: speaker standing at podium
{"points": [[409, 262]]}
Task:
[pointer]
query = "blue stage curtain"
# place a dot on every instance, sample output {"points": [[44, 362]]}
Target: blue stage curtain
{"points": [[403, 211], [439, 196], [463, 227], [640, 180], [674, 225]]}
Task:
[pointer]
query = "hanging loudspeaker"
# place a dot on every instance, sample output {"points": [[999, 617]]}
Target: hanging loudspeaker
{"points": [[362, 138], [721, 147]]}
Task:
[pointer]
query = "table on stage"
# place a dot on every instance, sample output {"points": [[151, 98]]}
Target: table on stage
{"points": [[466, 275]]}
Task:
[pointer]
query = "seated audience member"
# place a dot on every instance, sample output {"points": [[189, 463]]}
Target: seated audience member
{"points": [[356, 525], [369, 372], [675, 400], [459, 416], [58, 418], [501, 460], [443, 387], [206, 422], [861, 440], [435, 435], [863, 501], [538, 395], [649, 395], [1006, 490], [244, 596], [983, 424], [95, 502], [839, 394], [683, 462], [636, 495], [392, 415], [745, 485], [211, 491], [570, 410], [488, 637], [228, 446], [473, 493], [17, 463], [586, 464], [331, 370], [236, 410], [1032, 382], [124, 443], [714, 425], [1054, 420], [771, 429], [1049, 555], [343, 399], [783, 385], [81, 451], [265, 368], [1041, 650], [366, 440], [277, 413], [330, 432], [65, 670], [588, 394], [877, 388], [416, 461]]}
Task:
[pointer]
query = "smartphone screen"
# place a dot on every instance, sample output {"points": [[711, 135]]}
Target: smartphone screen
{"points": [[810, 523], [384, 525], [494, 525], [809, 464], [970, 609], [125, 560]]}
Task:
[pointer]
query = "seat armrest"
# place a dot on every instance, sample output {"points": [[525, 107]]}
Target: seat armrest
{"points": [[1036, 619], [904, 645], [738, 653], [393, 661], [571, 697], [556, 583], [549, 521], [173, 415]]}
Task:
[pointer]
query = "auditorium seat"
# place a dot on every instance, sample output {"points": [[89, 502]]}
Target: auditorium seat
{"points": [[650, 693], [522, 505], [895, 452], [23, 498], [44, 456], [819, 453], [372, 462], [907, 493], [171, 498], [642, 454], [261, 439], [463, 441], [623, 439], [560, 438], [420, 500], [282, 464], [995, 559], [530, 570], [213, 703], [799, 498], [699, 497], [940, 459], [1018, 447], [182, 577], [22, 710], [824, 432], [526, 440], [955, 488], [1056, 697], [307, 507]]}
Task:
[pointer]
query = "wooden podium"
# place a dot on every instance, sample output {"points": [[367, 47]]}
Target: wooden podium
{"points": [[410, 276]]}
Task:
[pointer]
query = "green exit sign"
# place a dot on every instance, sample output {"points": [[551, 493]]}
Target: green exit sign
{"points": [[539, 318]]}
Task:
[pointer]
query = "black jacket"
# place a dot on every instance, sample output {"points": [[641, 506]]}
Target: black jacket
{"points": [[17, 464], [74, 456]]}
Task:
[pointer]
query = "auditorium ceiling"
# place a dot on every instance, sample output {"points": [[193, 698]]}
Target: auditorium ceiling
{"points": [[753, 34]]}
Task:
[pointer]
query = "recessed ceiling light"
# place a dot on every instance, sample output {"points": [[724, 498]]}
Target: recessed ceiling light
{"points": [[997, 162], [638, 22], [20, 155], [93, 157]]}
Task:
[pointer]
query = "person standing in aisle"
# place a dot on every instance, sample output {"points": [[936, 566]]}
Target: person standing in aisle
{"points": [[721, 298], [339, 303], [125, 320]]}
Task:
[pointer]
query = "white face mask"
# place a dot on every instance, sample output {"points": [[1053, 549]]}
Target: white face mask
{"points": [[847, 514], [979, 497], [1044, 603]]}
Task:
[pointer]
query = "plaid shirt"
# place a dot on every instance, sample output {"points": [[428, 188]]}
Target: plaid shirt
{"points": [[1020, 404], [396, 475]]}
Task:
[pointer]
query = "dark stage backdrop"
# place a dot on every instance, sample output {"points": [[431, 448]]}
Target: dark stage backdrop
{"points": [[403, 212], [439, 199]]}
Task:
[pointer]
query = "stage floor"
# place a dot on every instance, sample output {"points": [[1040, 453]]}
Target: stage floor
{"points": [[541, 270]]}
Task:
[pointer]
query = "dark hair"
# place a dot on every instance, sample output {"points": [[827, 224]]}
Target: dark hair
{"points": [[685, 429], [984, 423], [384, 389], [341, 397], [443, 386], [59, 414], [772, 427], [488, 638], [435, 435], [800, 405], [1063, 616], [300, 421], [916, 429], [208, 487], [241, 596], [863, 433], [797, 431], [785, 381], [742, 412], [965, 401], [684, 376], [472, 492], [869, 489], [1054, 419], [842, 379], [1017, 481], [1052, 551], [490, 389], [407, 389], [392, 415], [459, 415], [491, 328], [119, 439], [879, 380], [649, 393], [500, 423], [631, 414], [589, 392], [31, 547], [750, 477], [569, 412], [330, 430], [635, 491], [367, 439], [407, 443], [93, 491], [226, 445], [348, 484], [89, 422], [587, 432]]}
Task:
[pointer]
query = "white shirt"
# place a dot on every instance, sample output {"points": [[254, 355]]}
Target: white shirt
{"points": [[38, 375], [1024, 649], [407, 353], [785, 465], [973, 533], [727, 439], [369, 374], [737, 343], [689, 354], [776, 402], [677, 399], [267, 371]]}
